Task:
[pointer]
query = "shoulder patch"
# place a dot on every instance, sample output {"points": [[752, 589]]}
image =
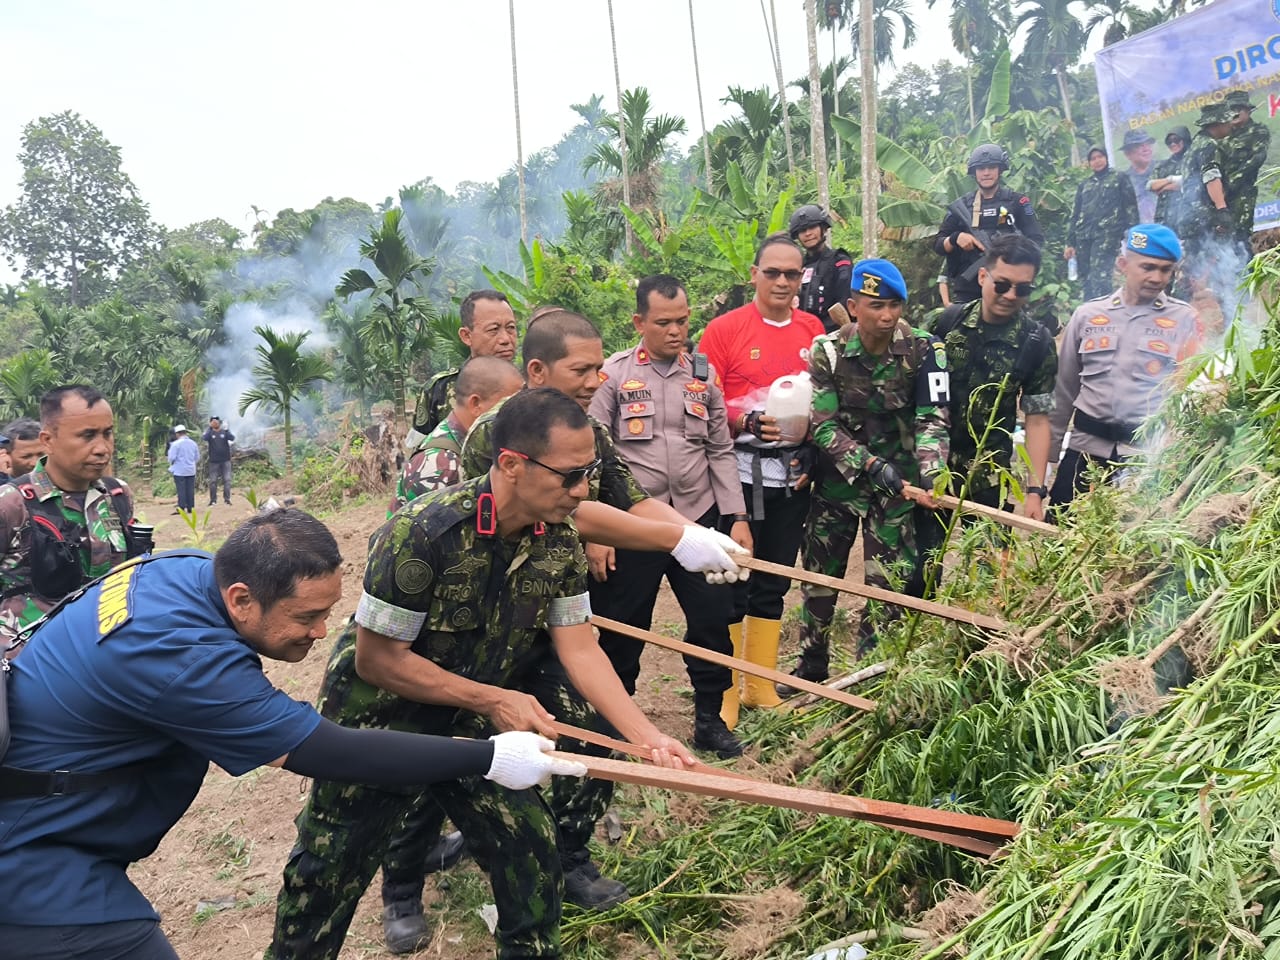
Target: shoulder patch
{"points": [[413, 575]]}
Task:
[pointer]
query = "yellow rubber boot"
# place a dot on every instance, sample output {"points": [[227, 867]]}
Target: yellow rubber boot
{"points": [[729, 705], [760, 646]]}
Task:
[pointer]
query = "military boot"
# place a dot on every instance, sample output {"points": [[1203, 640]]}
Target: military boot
{"points": [[709, 729], [584, 886], [403, 925], [449, 849], [815, 656]]}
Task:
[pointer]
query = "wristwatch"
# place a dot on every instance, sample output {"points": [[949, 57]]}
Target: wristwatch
{"points": [[1041, 492]]}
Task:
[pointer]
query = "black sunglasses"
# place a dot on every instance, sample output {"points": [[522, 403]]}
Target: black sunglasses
{"points": [[772, 274], [1021, 289], [570, 478]]}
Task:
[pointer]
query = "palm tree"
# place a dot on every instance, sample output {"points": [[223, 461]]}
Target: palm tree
{"points": [[637, 143], [623, 161], [357, 371], [889, 17], [1055, 37], [817, 122], [1117, 16], [702, 116], [775, 51], [400, 307], [515, 91], [24, 377], [976, 26], [283, 372], [750, 139]]}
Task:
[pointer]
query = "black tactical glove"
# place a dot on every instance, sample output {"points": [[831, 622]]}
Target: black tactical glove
{"points": [[752, 424], [806, 458], [885, 477], [1222, 222]]}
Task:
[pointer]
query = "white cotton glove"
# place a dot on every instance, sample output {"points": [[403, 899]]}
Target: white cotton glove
{"points": [[709, 552], [520, 761]]}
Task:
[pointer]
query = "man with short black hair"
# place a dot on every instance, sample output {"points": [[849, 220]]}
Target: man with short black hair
{"points": [[458, 588], [487, 327], [66, 521], [218, 460], [120, 700], [1116, 360], [25, 447]]}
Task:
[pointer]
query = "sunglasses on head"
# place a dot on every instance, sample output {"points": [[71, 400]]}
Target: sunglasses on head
{"points": [[772, 274], [570, 478], [1021, 289]]}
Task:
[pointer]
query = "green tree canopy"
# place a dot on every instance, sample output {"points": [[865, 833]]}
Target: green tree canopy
{"points": [[283, 372], [79, 220]]}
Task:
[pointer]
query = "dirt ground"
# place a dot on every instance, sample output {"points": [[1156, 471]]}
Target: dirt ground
{"points": [[215, 876]]}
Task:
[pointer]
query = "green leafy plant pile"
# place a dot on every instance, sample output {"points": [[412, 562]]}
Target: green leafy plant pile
{"points": [[1147, 789]]}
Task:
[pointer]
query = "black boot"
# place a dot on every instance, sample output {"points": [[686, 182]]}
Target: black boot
{"points": [[815, 659], [403, 925], [450, 848], [584, 886], [709, 730]]}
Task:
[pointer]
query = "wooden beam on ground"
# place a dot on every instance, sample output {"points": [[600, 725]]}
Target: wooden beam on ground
{"points": [[972, 844], [946, 611], [734, 663], [958, 829], [982, 510]]}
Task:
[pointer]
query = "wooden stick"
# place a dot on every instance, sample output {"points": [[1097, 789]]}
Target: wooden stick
{"points": [[842, 683], [944, 823], [724, 660], [981, 509], [958, 614], [983, 847]]}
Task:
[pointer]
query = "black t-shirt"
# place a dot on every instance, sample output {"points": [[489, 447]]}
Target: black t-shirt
{"points": [[219, 442]]}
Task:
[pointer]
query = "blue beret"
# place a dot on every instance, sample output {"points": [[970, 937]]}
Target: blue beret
{"points": [[1154, 240], [878, 278]]}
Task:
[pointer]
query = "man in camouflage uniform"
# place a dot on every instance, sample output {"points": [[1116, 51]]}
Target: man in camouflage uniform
{"points": [[482, 382], [880, 393], [417, 848], [1208, 227], [1245, 151], [461, 589], [66, 521], [488, 328], [1117, 359], [564, 351], [1166, 178], [1105, 208]]}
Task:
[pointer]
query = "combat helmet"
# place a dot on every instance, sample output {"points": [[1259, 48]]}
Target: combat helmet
{"points": [[810, 215], [988, 155]]}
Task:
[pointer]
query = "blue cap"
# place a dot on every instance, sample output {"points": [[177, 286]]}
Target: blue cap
{"points": [[1154, 240], [879, 279]]}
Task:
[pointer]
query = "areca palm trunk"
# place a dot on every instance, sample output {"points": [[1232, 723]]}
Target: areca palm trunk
{"points": [[817, 125], [702, 117], [776, 47], [870, 174], [1066, 112], [515, 90], [622, 130], [835, 92], [288, 437]]}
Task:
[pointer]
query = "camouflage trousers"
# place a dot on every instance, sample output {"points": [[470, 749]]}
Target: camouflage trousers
{"points": [[888, 544], [1096, 261], [344, 830]]}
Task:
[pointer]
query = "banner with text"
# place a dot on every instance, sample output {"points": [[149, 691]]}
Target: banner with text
{"points": [[1162, 77]]}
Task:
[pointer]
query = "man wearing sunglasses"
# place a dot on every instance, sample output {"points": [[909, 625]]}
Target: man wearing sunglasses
{"points": [[562, 350], [1166, 177], [462, 589], [1000, 359], [880, 392], [751, 348], [1116, 358], [1245, 151]]}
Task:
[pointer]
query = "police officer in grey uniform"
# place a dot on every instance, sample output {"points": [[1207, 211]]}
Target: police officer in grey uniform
{"points": [[1116, 358], [667, 417]]}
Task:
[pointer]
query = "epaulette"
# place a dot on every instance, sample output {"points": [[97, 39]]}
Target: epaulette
{"points": [[437, 515], [451, 372]]}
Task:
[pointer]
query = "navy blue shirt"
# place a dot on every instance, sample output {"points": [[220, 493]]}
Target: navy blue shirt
{"points": [[146, 663]]}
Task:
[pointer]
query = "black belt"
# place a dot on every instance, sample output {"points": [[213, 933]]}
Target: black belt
{"points": [[1115, 432], [17, 782], [757, 474]]}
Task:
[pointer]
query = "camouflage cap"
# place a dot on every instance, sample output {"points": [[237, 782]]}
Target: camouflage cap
{"points": [[1215, 113], [1239, 100]]}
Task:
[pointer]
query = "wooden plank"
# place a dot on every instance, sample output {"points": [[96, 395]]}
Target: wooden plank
{"points": [[972, 844], [724, 660], [982, 510], [958, 614], [942, 823]]}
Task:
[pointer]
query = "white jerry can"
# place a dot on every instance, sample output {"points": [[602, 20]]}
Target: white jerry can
{"points": [[789, 401]]}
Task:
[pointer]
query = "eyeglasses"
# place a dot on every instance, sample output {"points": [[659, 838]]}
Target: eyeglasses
{"points": [[772, 274], [1020, 289], [570, 478]]}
